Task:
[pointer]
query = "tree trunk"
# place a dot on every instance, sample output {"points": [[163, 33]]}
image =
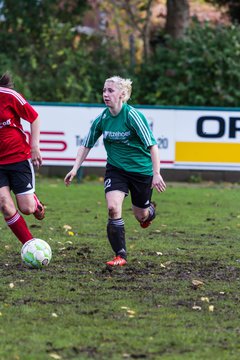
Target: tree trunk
{"points": [[177, 18], [146, 30]]}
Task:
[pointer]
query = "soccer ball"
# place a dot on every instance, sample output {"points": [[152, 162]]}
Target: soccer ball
{"points": [[36, 253]]}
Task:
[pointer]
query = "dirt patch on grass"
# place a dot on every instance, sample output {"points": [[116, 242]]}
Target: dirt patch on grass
{"points": [[178, 271]]}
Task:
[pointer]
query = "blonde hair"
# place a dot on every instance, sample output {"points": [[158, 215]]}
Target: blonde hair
{"points": [[123, 84]]}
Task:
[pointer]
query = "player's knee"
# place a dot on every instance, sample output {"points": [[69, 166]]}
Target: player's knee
{"points": [[6, 209], [112, 210], [26, 209]]}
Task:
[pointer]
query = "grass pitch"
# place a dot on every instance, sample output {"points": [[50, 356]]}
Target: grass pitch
{"points": [[178, 297]]}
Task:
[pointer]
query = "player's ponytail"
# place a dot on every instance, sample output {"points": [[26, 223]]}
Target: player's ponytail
{"points": [[6, 81]]}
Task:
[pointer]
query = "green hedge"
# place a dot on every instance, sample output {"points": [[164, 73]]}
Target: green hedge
{"points": [[203, 69]]}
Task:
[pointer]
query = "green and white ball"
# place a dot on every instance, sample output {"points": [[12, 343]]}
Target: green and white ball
{"points": [[36, 253]]}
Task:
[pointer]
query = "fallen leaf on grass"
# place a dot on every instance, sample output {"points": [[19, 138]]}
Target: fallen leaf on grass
{"points": [[206, 299], [167, 263], [55, 356], [131, 312], [67, 227], [197, 283]]}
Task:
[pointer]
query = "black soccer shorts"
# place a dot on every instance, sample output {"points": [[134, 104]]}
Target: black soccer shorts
{"points": [[139, 185], [19, 177]]}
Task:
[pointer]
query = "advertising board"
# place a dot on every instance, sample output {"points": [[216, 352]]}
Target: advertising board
{"points": [[187, 138]]}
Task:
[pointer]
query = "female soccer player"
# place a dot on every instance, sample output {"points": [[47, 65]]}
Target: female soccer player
{"points": [[16, 159], [133, 162]]}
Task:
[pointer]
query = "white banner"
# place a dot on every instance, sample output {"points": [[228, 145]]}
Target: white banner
{"points": [[187, 138]]}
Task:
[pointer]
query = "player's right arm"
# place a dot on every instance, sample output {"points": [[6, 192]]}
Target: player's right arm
{"points": [[81, 156], [94, 133]]}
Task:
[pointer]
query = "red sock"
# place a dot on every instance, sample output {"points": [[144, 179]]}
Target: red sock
{"points": [[19, 227]]}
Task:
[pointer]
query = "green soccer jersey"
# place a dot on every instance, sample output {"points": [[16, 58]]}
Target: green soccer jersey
{"points": [[127, 138]]}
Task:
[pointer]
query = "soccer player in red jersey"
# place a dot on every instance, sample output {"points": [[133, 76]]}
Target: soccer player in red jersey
{"points": [[17, 157]]}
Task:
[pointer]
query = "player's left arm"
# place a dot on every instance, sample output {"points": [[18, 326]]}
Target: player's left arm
{"points": [[139, 122], [157, 182], [28, 113], [35, 138]]}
